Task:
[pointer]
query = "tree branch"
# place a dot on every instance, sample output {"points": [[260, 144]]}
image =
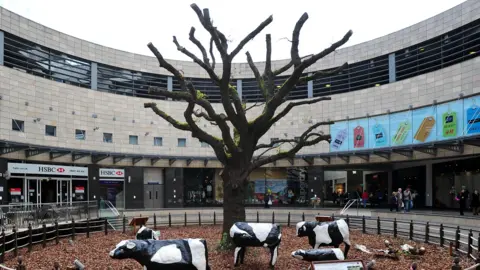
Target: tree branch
{"points": [[258, 157], [199, 45], [283, 69], [268, 74], [273, 143], [291, 105], [322, 73], [168, 118], [211, 53], [256, 104], [251, 36], [294, 54], [199, 62], [164, 64], [256, 73], [218, 38]]}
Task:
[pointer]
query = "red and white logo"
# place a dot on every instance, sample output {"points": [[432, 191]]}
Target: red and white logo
{"points": [[119, 173], [60, 170]]}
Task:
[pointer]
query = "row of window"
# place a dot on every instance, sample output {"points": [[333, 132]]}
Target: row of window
{"points": [[80, 134]]}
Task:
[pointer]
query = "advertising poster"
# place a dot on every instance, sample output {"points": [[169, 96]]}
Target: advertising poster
{"points": [[450, 121], [358, 134], [339, 133], [378, 131], [276, 187], [423, 126], [471, 114], [401, 128]]}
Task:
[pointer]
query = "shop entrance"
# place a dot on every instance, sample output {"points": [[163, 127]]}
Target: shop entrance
{"points": [[47, 190]]}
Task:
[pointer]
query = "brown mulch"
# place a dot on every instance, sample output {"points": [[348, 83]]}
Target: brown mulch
{"points": [[93, 252]]}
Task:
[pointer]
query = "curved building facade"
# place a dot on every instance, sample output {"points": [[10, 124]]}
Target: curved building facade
{"points": [[68, 102]]}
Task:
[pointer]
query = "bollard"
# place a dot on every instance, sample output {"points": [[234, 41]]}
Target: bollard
{"points": [[124, 224], [185, 219], [258, 218], [106, 227], [288, 219], [303, 216], [169, 220], [273, 217], [30, 243], [57, 238], [88, 228], [410, 235], [379, 229], [73, 229], [214, 218], [450, 249], [364, 227], [427, 232], [348, 220], [15, 241], [442, 236], [457, 238], [199, 220], [154, 222], [395, 231], [44, 235]]}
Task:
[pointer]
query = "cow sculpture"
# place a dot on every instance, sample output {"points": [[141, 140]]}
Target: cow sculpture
{"points": [[179, 254], [245, 235], [325, 233], [325, 254], [145, 233]]}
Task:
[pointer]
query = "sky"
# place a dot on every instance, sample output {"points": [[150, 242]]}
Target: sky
{"points": [[129, 25]]}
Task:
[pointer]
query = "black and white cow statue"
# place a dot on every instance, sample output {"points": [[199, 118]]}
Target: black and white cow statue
{"points": [[145, 233], [331, 233], [178, 254], [245, 235], [324, 254]]}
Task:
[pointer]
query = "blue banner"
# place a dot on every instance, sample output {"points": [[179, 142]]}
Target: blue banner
{"points": [[471, 110], [450, 123], [424, 127], [378, 127], [275, 186], [339, 133], [358, 134], [401, 128]]}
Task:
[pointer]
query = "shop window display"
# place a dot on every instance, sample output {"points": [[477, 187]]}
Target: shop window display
{"points": [[199, 187]]}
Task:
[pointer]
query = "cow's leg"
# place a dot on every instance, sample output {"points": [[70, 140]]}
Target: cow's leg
{"points": [[237, 255], [273, 255], [242, 254], [316, 246], [347, 248]]}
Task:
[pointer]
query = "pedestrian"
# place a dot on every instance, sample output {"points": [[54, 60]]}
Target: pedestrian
{"points": [[475, 202], [407, 199], [399, 199], [462, 200], [393, 201], [364, 198]]}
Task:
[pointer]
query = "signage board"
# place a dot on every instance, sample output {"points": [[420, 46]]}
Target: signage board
{"points": [[79, 189], [15, 191], [112, 173], [46, 169]]}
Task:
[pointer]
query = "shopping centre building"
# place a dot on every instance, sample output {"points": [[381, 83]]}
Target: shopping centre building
{"points": [[73, 126]]}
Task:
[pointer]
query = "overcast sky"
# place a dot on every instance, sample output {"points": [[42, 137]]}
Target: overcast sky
{"points": [[130, 25]]}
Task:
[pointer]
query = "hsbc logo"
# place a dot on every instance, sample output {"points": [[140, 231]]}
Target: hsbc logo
{"points": [[112, 173], [119, 173], [47, 169]]}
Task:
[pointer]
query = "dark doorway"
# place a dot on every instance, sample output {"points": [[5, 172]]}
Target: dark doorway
{"points": [[415, 177]]}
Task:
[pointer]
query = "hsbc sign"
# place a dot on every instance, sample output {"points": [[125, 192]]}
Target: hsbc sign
{"points": [[112, 173], [23, 168]]}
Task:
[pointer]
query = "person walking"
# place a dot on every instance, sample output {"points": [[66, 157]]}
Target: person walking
{"points": [[399, 199], [393, 201], [407, 199], [364, 198], [475, 202], [462, 200]]}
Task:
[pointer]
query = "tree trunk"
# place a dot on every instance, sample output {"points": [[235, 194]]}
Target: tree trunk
{"points": [[234, 186]]}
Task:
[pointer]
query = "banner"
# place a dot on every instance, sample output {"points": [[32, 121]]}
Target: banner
{"points": [[112, 173], [401, 128], [378, 127], [424, 127], [450, 123], [339, 133], [358, 134], [471, 114], [46, 169]]}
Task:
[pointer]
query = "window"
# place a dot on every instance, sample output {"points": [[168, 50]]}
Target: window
{"points": [[79, 134], [274, 140], [158, 141], [108, 137], [18, 125], [133, 139], [204, 144], [182, 142], [50, 130]]}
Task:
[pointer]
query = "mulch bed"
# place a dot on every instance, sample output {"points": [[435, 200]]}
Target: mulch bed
{"points": [[93, 252]]}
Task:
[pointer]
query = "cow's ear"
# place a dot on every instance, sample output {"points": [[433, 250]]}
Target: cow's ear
{"points": [[131, 245]]}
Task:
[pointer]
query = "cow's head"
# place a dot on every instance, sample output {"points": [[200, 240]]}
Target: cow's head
{"points": [[299, 254], [302, 229], [126, 249]]}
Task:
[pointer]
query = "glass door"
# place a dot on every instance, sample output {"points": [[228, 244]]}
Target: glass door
{"points": [[64, 192], [34, 192]]}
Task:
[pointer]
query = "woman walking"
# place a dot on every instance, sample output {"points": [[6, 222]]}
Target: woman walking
{"points": [[475, 203], [462, 200], [399, 199], [393, 201]]}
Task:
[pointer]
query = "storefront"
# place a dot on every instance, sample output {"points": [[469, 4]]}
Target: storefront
{"points": [[112, 186], [199, 187], [46, 183]]}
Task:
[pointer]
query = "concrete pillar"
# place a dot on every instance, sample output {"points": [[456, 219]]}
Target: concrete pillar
{"points": [[2, 40], [310, 88], [429, 185], [94, 76], [390, 182], [239, 89], [392, 70]]}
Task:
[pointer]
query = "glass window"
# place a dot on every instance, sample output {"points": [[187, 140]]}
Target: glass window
{"points": [[133, 139], [274, 140], [182, 142], [158, 141], [18, 125], [108, 137], [204, 144], [80, 134], [50, 130]]}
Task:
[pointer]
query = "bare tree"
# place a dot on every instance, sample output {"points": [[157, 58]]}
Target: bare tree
{"points": [[239, 150]]}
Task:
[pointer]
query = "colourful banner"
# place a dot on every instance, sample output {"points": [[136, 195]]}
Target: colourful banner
{"points": [[339, 132]]}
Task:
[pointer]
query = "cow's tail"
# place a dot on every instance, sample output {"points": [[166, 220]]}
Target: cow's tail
{"points": [[204, 242], [343, 227]]}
